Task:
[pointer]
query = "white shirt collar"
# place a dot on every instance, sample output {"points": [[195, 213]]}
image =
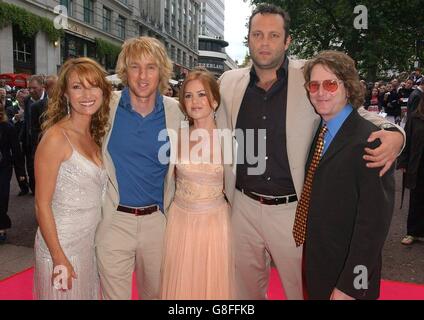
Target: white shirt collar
{"points": [[41, 98]]}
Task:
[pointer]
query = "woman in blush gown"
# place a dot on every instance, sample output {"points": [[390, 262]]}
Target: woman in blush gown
{"points": [[197, 262], [71, 181]]}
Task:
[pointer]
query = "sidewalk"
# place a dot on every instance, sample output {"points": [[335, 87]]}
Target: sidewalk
{"points": [[14, 259]]}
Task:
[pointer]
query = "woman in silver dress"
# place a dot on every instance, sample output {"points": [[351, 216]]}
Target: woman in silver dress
{"points": [[71, 180]]}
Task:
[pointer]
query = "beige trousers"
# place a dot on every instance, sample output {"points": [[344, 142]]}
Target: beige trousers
{"points": [[263, 233], [131, 243]]}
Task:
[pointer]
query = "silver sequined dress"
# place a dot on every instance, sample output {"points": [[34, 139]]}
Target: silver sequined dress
{"points": [[76, 208]]}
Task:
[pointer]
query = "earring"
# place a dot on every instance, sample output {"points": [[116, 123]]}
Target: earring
{"points": [[214, 115], [68, 107]]}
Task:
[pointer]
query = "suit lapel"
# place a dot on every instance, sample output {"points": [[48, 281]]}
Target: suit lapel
{"points": [[342, 138], [239, 91], [108, 162], [301, 124], [172, 126]]}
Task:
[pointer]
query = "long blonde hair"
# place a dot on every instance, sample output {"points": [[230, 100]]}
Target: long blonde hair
{"points": [[87, 70], [139, 48]]}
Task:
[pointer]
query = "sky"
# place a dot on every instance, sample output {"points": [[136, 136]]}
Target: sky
{"points": [[237, 13]]}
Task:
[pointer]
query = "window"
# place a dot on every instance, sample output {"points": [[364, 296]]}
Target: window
{"points": [[107, 19], [179, 56], [89, 11], [121, 26], [69, 4], [22, 51]]}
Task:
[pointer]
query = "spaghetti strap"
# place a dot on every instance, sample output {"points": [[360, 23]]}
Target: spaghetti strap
{"points": [[67, 138]]}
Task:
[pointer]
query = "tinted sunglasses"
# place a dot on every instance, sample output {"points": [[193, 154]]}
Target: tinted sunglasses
{"points": [[328, 85]]}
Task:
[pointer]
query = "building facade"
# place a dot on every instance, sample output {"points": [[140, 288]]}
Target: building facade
{"points": [[212, 45], [212, 54], [180, 20], [97, 29], [212, 18]]}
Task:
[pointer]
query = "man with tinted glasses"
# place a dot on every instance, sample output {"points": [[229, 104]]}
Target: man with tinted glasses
{"points": [[270, 95], [342, 202]]}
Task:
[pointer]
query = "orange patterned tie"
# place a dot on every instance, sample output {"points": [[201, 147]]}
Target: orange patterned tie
{"points": [[299, 228]]}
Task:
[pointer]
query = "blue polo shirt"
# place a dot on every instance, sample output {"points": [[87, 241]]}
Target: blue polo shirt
{"points": [[134, 147], [335, 124]]}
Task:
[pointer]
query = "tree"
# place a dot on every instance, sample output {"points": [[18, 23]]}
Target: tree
{"points": [[387, 45], [246, 61]]}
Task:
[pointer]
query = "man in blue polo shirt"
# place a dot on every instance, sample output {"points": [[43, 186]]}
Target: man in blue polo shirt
{"points": [[141, 186]]}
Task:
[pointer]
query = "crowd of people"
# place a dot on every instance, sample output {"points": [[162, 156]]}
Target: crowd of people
{"points": [[136, 181], [395, 99], [22, 117], [400, 102]]}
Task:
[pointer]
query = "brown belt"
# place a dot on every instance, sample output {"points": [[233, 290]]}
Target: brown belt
{"points": [[139, 211]]}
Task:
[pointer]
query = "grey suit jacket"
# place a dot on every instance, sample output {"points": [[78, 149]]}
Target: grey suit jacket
{"points": [[301, 121]]}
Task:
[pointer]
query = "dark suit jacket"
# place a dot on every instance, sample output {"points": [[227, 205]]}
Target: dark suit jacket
{"points": [[393, 107], [411, 157], [10, 151], [11, 110], [32, 122], [414, 100], [349, 217]]}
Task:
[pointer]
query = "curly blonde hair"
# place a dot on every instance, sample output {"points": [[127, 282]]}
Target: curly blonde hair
{"points": [[87, 70], [138, 48], [344, 68]]}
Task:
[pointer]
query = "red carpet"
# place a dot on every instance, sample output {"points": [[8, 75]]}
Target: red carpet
{"points": [[19, 287]]}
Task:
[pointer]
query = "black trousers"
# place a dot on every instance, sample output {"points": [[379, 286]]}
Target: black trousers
{"points": [[415, 223], [5, 177], [29, 161], [23, 185]]}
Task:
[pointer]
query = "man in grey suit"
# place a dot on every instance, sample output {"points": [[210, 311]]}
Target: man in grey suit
{"points": [[141, 185], [270, 96]]}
